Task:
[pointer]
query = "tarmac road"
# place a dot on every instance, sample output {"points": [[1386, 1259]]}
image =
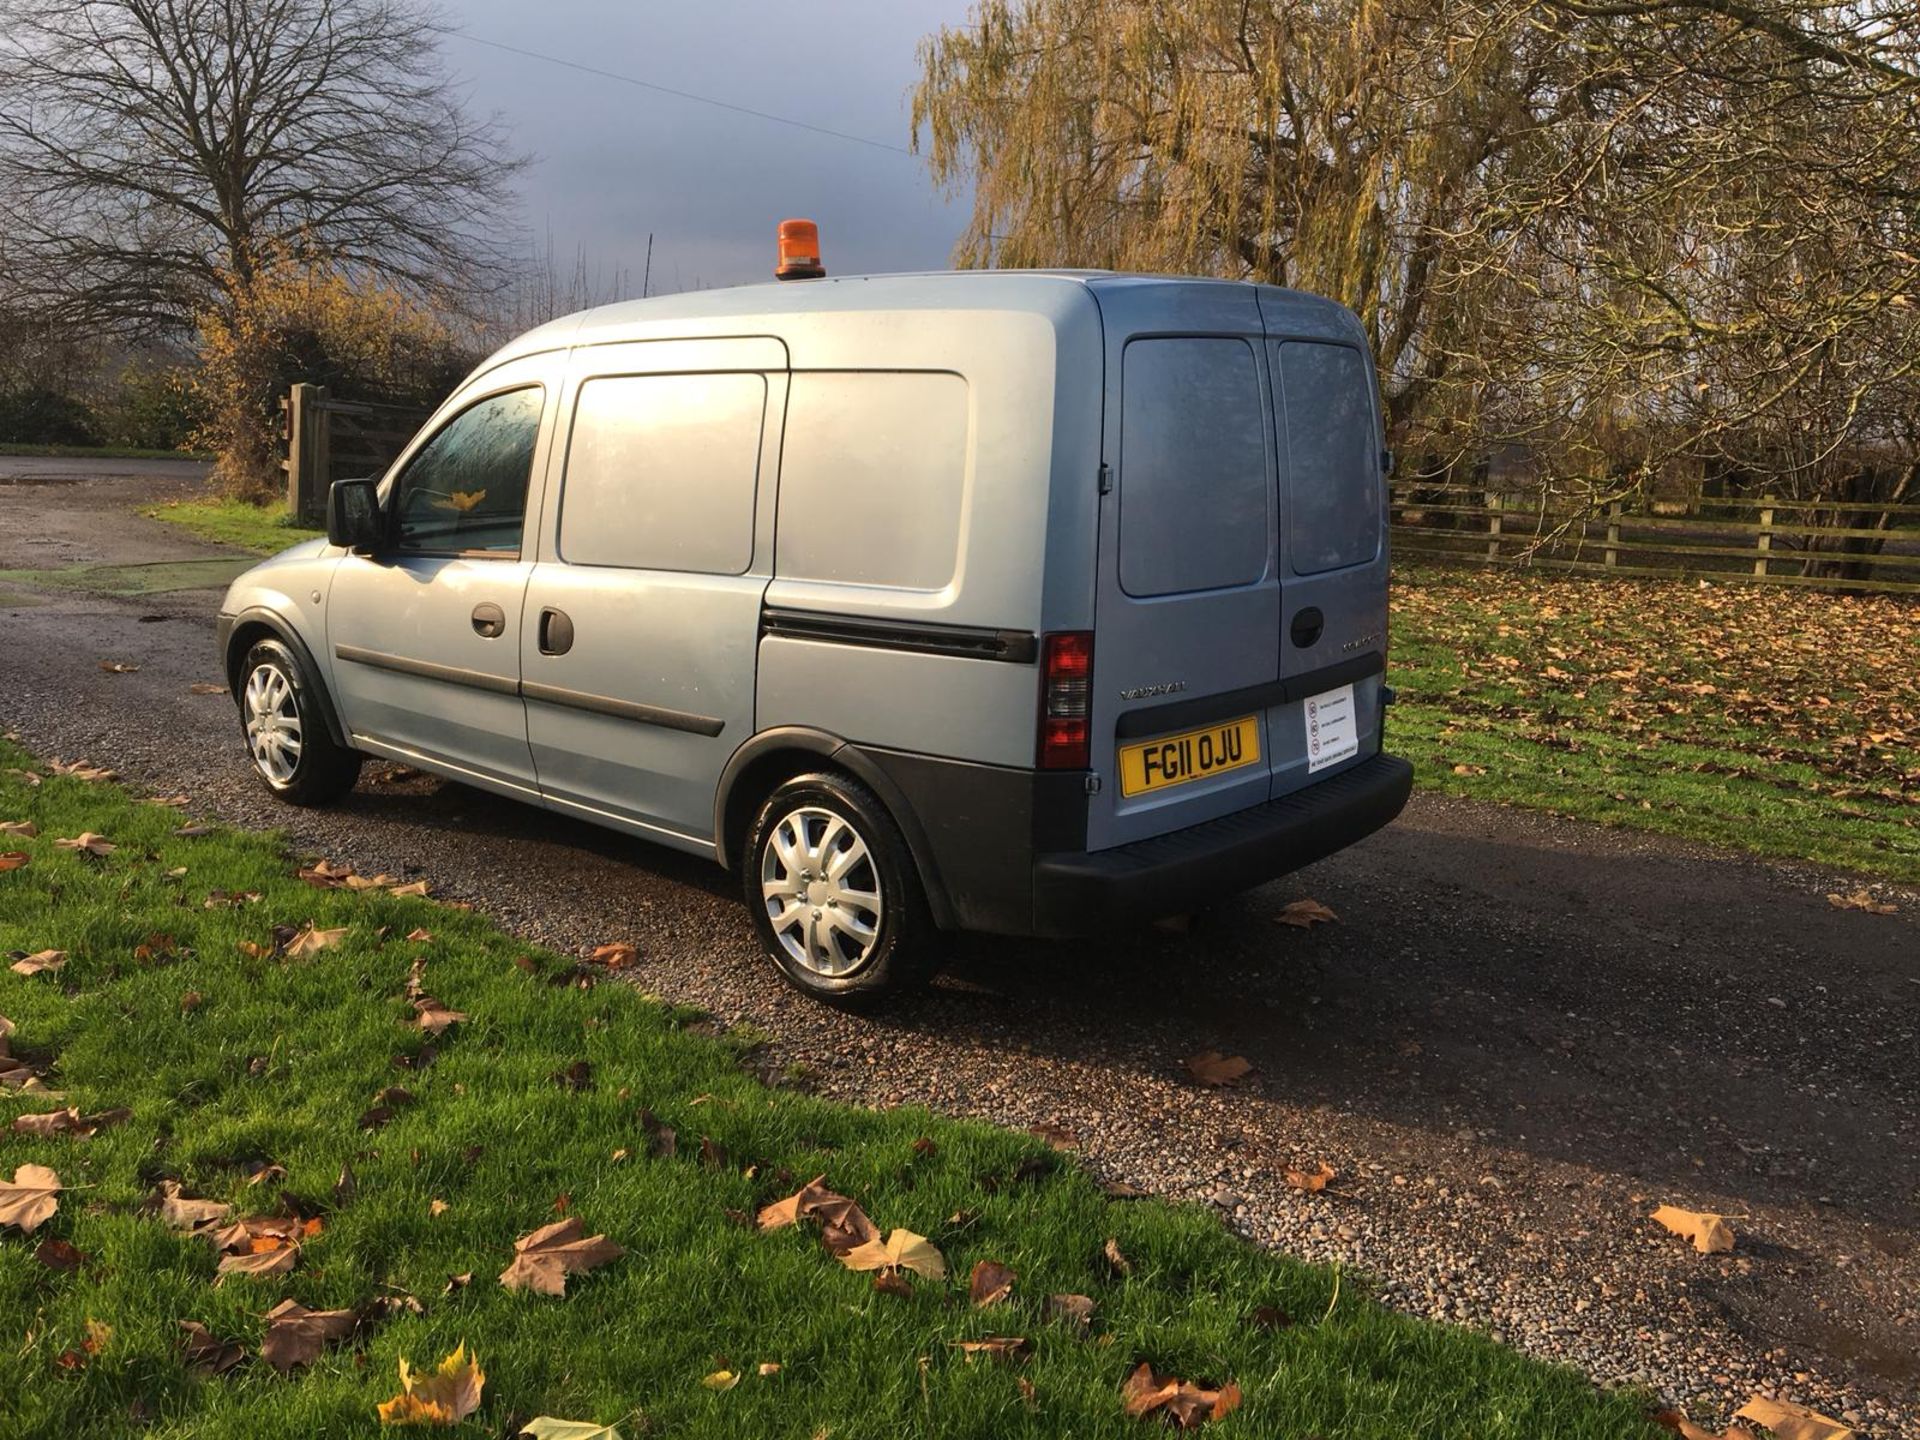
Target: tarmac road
{"points": [[1522, 1035]]}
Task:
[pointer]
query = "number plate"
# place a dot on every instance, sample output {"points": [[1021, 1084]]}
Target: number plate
{"points": [[1177, 759]]}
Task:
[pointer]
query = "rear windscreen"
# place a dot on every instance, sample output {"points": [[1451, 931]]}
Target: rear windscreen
{"points": [[1193, 467], [1333, 456]]}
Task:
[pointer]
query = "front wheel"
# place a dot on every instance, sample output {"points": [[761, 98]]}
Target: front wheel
{"points": [[286, 734], [834, 894]]}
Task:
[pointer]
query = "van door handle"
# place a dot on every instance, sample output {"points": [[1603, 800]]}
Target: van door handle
{"points": [[489, 620], [556, 632]]}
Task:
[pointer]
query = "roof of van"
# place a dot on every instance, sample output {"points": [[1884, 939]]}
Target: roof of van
{"points": [[1010, 290]]}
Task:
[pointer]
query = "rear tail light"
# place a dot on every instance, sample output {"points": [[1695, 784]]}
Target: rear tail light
{"points": [[1066, 700]]}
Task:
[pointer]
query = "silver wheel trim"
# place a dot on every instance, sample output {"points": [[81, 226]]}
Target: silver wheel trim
{"points": [[821, 887], [273, 722]]}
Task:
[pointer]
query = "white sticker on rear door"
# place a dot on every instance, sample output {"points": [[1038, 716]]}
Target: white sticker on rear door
{"points": [[1333, 731]]}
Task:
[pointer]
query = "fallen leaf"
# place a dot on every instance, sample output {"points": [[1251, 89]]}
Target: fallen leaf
{"points": [[1004, 1348], [419, 936], [99, 1336], [1305, 914], [458, 1282], [31, 1197], [118, 667], [543, 1260], [1186, 1403], [615, 957], [311, 941], [902, 1250], [1791, 1422], [296, 1334], [204, 1355], [88, 841], [844, 1226], [1683, 1427], [13, 859], [277, 1259], [1710, 1234], [1121, 1190], [368, 882], [769, 1367], [720, 1380], [58, 1254], [1210, 1067], [184, 1213], [176, 802], [1114, 1258], [1862, 899], [44, 960], [437, 1207], [81, 770], [892, 1282], [417, 888], [546, 1427], [433, 1017], [446, 1397], [991, 1283], [25, 777], [68, 1122], [194, 832], [19, 829], [1075, 1310], [660, 1135], [206, 687], [1270, 1317], [1311, 1181]]}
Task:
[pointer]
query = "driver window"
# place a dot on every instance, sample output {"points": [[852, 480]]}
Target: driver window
{"points": [[466, 489]]}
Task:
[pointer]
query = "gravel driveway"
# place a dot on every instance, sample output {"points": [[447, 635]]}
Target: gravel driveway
{"points": [[1521, 1036]]}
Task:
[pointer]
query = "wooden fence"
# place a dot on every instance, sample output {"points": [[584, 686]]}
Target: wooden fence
{"points": [[328, 440], [1767, 540]]}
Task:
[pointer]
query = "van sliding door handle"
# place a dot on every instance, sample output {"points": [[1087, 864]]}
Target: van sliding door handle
{"points": [[556, 632], [489, 620]]}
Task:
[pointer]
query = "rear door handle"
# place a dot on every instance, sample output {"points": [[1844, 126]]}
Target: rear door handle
{"points": [[556, 632], [489, 620]]}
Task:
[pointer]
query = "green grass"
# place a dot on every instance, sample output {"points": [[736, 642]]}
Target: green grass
{"points": [[263, 529], [1776, 721], [278, 1057], [102, 452], [131, 580]]}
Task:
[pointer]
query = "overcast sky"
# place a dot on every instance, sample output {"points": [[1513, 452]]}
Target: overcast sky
{"points": [[613, 161]]}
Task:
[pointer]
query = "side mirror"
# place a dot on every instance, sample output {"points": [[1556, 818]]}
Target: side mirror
{"points": [[353, 515]]}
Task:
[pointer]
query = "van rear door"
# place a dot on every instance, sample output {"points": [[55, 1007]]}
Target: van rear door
{"points": [[1188, 602]]}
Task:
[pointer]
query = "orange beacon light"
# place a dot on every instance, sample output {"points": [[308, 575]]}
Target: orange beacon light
{"points": [[799, 251]]}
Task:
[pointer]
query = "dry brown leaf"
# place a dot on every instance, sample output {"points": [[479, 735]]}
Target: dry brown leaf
{"points": [[184, 1213], [419, 936], [446, 1397], [296, 1334], [30, 1198], [68, 1122], [118, 667], [1792, 1422], [844, 1226], [48, 961], [1311, 1181], [58, 1254], [543, 1260], [19, 829], [280, 1258], [81, 770], [1710, 1234], [13, 859], [992, 1282], [1004, 1348], [1114, 1258], [369, 882], [311, 941], [204, 1355], [901, 1250], [1210, 1067], [433, 1017], [206, 687], [437, 1207], [417, 888], [1305, 914], [88, 841], [1187, 1404], [1683, 1427], [25, 777], [615, 957], [1862, 899], [1075, 1310]]}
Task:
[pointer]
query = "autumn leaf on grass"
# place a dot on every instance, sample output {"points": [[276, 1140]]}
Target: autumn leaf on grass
{"points": [[614, 957], [1187, 1404], [843, 1225], [1862, 899], [1004, 1348], [545, 1427], [446, 1397], [325, 875], [1791, 1422], [1121, 1265], [1312, 1181], [991, 1283], [901, 1250], [1075, 1310], [185, 1213], [81, 770], [1210, 1067], [68, 1122], [19, 829], [30, 1198], [720, 1380], [204, 1355], [1710, 1234], [311, 941], [86, 840], [417, 888], [543, 1260], [13, 859], [296, 1334], [433, 1017], [49, 961], [58, 1254], [1305, 914]]}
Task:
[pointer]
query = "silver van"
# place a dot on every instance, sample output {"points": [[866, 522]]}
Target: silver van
{"points": [[1000, 601]]}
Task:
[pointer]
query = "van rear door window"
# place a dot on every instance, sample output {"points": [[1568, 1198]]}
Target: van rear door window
{"points": [[661, 472], [1333, 456], [1193, 467]]}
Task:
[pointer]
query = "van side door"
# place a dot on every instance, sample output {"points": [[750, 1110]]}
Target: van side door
{"points": [[643, 616]]}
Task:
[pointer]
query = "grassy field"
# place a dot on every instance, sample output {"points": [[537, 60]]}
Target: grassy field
{"points": [[1769, 719], [263, 529], [230, 1057]]}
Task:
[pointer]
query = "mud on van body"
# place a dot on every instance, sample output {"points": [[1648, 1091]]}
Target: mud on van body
{"points": [[1017, 602]]}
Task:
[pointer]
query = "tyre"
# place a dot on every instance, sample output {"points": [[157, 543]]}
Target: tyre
{"points": [[286, 734], [834, 894]]}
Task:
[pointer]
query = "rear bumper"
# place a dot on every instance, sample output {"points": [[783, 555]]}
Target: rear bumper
{"points": [[1078, 892]]}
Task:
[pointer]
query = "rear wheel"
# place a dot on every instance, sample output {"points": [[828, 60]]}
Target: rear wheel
{"points": [[834, 894], [286, 734]]}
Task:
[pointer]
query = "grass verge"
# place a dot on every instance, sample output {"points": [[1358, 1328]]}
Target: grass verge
{"points": [[1771, 720], [263, 529], [230, 1062], [102, 452]]}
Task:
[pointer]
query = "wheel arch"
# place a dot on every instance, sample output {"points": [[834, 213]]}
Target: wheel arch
{"points": [[257, 623], [775, 756]]}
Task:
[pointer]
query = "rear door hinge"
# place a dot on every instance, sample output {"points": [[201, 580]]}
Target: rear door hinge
{"points": [[1106, 479]]}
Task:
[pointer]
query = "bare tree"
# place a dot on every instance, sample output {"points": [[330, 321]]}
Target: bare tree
{"points": [[153, 151]]}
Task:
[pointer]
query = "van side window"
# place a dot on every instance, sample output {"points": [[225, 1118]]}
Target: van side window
{"points": [[1333, 456], [465, 490], [1193, 466], [871, 474], [661, 472]]}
